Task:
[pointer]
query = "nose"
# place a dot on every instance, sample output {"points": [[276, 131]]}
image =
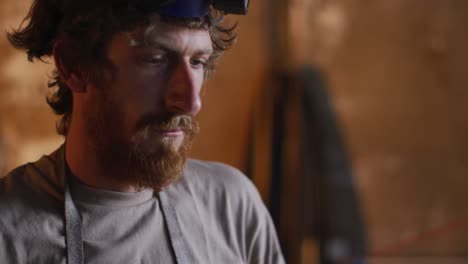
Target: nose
{"points": [[183, 90]]}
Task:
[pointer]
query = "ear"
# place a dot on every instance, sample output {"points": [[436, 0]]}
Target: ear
{"points": [[74, 81]]}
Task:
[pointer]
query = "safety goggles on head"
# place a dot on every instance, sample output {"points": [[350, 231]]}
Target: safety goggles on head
{"points": [[199, 8]]}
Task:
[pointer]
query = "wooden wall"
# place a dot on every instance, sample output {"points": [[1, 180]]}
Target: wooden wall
{"points": [[397, 73]]}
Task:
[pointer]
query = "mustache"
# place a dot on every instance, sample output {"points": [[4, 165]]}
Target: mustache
{"points": [[165, 122]]}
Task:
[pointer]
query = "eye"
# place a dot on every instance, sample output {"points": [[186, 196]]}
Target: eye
{"points": [[154, 59], [198, 63]]}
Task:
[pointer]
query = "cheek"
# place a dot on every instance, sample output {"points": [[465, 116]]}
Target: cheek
{"points": [[199, 80], [136, 94], [142, 90]]}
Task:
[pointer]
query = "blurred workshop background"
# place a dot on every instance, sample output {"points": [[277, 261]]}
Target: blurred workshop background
{"points": [[349, 115]]}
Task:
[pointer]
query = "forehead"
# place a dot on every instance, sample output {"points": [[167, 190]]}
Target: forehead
{"points": [[158, 33]]}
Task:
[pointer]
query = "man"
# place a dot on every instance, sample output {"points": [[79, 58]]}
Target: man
{"points": [[121, 190]]}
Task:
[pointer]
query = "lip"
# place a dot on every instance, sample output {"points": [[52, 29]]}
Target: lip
{"points": [[172, 133]]}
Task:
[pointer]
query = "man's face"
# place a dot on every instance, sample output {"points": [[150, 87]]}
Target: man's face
{"points": [[141, 123]]}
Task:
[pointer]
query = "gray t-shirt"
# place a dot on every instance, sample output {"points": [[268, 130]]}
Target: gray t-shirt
{"points": [[221, 216]]}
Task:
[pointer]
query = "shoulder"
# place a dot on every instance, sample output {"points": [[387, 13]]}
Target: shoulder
{"points": [[31, 211], [29, 182], [231, 206], [30, 189], [215, 171], [14, 182], [13, 199], [220, 178], [218, 187]]}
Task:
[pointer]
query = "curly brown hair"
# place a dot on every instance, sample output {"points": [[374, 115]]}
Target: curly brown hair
{"points": [[85, 28]]}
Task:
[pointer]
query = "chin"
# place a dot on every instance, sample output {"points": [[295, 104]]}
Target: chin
{"points": [[158, 167], [172, 144]]}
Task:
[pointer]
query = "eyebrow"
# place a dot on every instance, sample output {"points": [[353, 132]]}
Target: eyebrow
{"points": [[166, 46]]}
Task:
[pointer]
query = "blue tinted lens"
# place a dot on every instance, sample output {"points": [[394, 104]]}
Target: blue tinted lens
{"points": [[186, 8]]}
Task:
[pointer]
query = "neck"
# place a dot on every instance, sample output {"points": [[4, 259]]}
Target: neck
{"points": [[84, 166]]}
